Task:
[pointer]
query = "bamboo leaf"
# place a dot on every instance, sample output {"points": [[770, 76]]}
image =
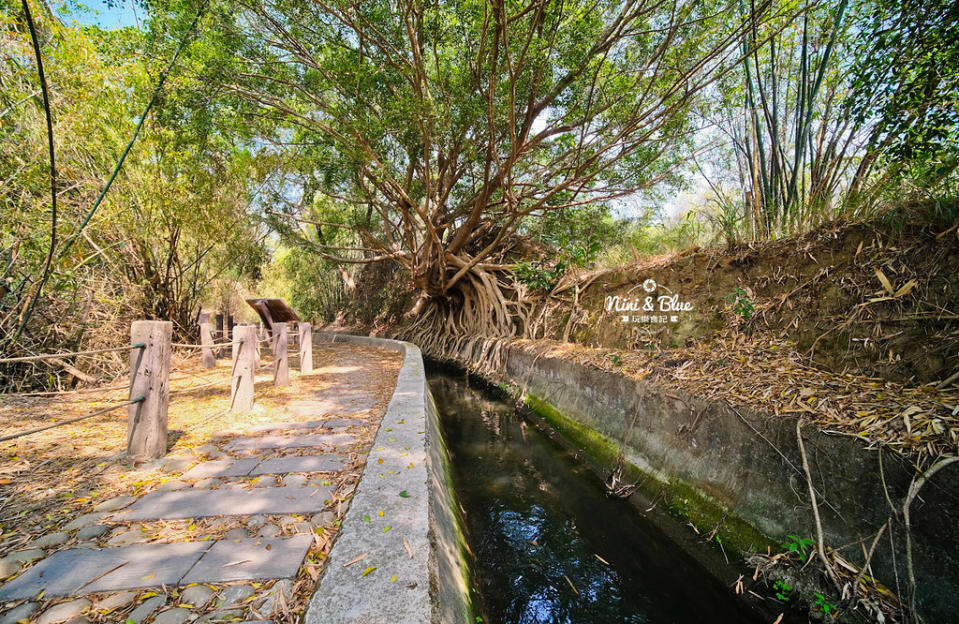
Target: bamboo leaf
{"points": [[885, 281], [906, 288]]}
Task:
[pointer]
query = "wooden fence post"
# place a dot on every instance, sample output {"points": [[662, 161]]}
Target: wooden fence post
{"points": [[281, 366], [150, 379], [256, 351], [241, 385], [206, 351], [221, 336], [306, 348]]}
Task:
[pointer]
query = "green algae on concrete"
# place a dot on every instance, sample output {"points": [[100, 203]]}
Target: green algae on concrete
{"points": [[601, 449], [683, 499], [446, 516]]}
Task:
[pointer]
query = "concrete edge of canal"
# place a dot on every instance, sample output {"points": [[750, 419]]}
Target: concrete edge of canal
{"points": [[401, 554]]}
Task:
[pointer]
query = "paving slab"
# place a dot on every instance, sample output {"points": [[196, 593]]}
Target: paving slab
{"points": [[85, 520], [178, 615], [23, 612], [117, 502], [337, 423], [303, 463], [329, 423], [252, 559], [278, 441], [221, 468], [344, 400], [75, 571], [146, 608], [205, 503], [65, 612], [309, 424]]}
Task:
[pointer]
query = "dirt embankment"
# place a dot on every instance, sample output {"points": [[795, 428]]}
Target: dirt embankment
{"points": [[850, 297], [856, 326]]}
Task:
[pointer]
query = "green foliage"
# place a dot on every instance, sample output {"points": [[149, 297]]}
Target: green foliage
{"points": [[742, 306], [575, 232], [785, 147], [472, 122], [538, 275], [897, 79], [822, 604], [306, 281], [783, 590], [645, 237], [356, 133], [918, 191], [797, 546], [305, 265], [172, 226]]}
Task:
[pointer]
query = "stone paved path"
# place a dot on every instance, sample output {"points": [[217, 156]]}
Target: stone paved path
{"points": [[264, 497]]}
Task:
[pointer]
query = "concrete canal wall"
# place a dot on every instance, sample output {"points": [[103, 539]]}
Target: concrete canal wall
{"points": [[716, 465]]}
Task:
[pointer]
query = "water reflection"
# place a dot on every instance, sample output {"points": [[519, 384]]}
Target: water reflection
{"points": [[550, 546]]}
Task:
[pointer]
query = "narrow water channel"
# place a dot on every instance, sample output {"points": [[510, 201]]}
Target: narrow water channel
{"points": [[549, 545]]}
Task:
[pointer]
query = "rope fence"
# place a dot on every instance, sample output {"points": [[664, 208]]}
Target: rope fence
{"points": [[150, 375], [201, 346], [14, 436], [57, 356]]}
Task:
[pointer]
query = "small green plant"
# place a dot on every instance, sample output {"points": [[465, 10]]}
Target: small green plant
{"points": [[741, 303], [783, 590], [615, 359], [680, 507], [823, 605], [797, 545], [538, 276], [583, 255]]}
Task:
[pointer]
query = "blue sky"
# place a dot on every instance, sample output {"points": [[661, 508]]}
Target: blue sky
{"points": [[96, 12]]}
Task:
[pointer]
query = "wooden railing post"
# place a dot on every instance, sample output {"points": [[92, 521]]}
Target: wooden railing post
{"points": [[221, 335], [206, 339], [306, 348], [281, 366], [149, 379], [241, 386], [256, 352]]}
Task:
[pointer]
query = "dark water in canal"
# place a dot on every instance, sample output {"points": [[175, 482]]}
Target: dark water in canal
{"points": [[538, 521]]}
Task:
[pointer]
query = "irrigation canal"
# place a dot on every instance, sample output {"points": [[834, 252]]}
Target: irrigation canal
{"points": [[549, 545]]}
